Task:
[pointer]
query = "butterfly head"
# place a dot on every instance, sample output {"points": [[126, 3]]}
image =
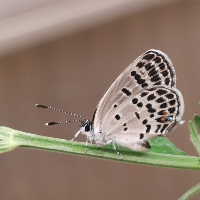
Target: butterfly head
{"points": [[86, 126]]}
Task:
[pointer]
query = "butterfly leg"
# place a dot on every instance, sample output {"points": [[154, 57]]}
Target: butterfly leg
{"points": [[115, 146], [116, 150], [99, 147], [75, 136], [86, 145]]}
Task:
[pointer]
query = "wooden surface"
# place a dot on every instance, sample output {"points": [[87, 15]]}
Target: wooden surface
{"points": [[72, 73]]}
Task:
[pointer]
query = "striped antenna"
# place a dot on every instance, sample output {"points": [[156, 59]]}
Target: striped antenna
{"points": [[66, 112], [53, 123]]}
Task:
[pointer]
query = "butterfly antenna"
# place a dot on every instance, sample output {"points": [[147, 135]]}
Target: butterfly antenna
{"points": [[53, 123], [66, 112]]}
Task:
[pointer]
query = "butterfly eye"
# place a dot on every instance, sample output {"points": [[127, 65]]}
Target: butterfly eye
{"points": [[87, 127]]}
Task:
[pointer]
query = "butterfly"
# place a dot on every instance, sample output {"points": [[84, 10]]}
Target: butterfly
{"points": [[142, 103]]}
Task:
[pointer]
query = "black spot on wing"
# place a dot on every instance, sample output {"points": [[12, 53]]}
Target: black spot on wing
{"points": [[167, 80], [172, 110], [141, 135], [133, 73], [160, 100], [151, 97], [126, 91], [158, 127], [140, 64], [152, 89], [161, 119], [115, 106], [149, 106], [158, 83], [172, 102], [144, 85], [161, 92], [169, 96], [151, 115], [137, 77], [155, 78], [161, 66], [148, 128], [125, 129], [164, 105], [137, 115], [145, 121], [162, 112], [148, 66], [164, 127], [148, 57], [117, 117], [152, 72], [165, 73], [152, 110], [143, 94], [140, 81], [157, 60], [135, 100], [140, 104]]}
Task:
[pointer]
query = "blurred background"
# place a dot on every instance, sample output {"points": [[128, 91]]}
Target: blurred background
{"points": [[66, 54]]}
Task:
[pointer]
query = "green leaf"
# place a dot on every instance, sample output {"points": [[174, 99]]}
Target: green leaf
{"points": [[195, 137], [164, 146], [197, 120], [158, 145]]}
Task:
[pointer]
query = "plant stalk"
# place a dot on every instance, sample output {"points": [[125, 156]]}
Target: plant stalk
{"points": [[194, 190], [10, 138]]}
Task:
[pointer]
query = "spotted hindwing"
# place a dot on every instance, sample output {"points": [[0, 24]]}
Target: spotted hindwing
{"points": [[146, 114]]}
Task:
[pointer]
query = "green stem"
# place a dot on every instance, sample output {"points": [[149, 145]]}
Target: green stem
{"points": [[191, 192], [9, 139]]}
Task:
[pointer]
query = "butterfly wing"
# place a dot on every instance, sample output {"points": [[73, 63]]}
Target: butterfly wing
{"points": [[150, 69], [142, 103], [146, 114]]}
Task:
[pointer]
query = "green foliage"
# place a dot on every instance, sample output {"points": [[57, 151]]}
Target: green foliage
{"points": [[195, 137], [197, 120], [158, 145], [164, 146]]}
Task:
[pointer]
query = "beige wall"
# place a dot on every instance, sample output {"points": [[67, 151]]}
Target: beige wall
{"points": [[73, 73]]}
